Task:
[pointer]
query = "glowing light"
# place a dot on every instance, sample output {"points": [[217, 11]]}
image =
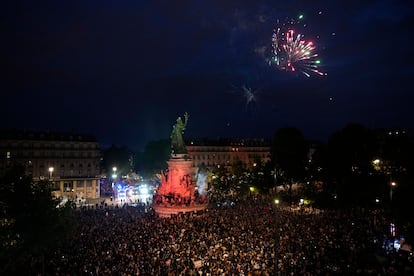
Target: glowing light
{"points": [[143, 189], [392, 229], [51, 169]]}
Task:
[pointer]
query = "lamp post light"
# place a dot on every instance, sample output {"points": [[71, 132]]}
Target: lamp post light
{"points": [[114, 173], [393, 184], [277, 238], [114, 169], [51, 169]]}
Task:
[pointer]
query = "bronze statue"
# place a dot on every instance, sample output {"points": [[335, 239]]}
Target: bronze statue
{"points": [[177, 141]]}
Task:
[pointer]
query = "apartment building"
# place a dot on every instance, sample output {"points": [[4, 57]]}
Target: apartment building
{"points": [[71, 161], [227, 152]]}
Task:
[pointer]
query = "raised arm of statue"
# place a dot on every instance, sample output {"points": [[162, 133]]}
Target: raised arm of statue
{"points": [[185, 120]]}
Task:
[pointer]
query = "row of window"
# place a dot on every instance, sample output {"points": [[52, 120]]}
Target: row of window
{"points": [[228, 157], [204, 157], [56, 154], [49, 145], [69, 185], [226, 149], [63, 173], [210, 164], [49, 165]]}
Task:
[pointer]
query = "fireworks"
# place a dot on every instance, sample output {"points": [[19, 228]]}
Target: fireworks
{"points": [[292, 53]]}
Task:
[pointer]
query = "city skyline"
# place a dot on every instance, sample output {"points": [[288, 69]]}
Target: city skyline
{"points": [[125, 71]]}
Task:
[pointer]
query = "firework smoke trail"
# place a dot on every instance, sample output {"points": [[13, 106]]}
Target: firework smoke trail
{"points": [[248, 94]]}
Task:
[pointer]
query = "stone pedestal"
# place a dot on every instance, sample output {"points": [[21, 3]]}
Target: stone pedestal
{"points": [[176, 194], [178, 181]]}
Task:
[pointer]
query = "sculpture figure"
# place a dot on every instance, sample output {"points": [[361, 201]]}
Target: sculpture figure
{"points": [[177, 141]]}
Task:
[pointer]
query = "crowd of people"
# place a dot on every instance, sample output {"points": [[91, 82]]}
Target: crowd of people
{"points": [[250, 237]]}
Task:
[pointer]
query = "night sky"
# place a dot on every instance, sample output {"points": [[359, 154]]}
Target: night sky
{"points": [[125, 70]]}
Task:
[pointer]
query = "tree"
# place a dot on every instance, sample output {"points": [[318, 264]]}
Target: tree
{"points": [[350, 154], [119, 157], [220, 182], [260, 175], [154, 158], [289, 154], [33, 224], [397, 151]]}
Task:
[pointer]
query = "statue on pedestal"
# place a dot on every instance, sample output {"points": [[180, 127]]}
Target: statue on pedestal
{"points": [[176, 193], [177, 141]]}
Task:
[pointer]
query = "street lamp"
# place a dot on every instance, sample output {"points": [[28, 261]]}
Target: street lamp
{"points": [[51, 169], [114, 173], [377, 164], [277, 238], [113, 179], [393, 184]]}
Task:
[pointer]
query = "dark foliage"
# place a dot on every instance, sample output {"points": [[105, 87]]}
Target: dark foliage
{"points": [[155, 156], [31, 223], [119, 157], [289, 153]]}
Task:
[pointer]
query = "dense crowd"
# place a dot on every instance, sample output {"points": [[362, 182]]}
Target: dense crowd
{"points": [[235, 239]]}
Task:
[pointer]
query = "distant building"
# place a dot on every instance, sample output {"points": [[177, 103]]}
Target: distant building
{"points": [[228, 152], [394, 146], [70, 161]]}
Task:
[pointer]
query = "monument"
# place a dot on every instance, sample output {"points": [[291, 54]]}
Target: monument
{"points": [[177, 191]]}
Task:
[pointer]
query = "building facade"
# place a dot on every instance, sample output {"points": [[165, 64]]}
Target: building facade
{"points": [[70, 161], [228, 152]]}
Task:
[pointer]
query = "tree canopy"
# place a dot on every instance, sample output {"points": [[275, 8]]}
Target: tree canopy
{"points": [[31, 222], [289, 153]]}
